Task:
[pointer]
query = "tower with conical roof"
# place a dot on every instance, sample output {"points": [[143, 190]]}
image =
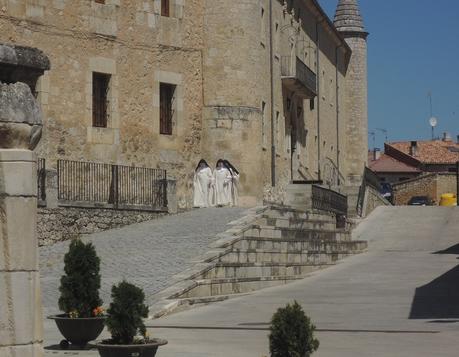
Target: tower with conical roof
{"points": [[348, 21]]}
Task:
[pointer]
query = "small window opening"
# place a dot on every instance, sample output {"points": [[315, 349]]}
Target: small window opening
{"points": [[100, 87], [165, 8], [166, 99]]}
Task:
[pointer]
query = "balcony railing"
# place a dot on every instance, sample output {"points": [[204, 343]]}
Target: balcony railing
{"points": [[298, 77]]}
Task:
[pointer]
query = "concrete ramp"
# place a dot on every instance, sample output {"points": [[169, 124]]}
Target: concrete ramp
{"points": [[398, 299]]}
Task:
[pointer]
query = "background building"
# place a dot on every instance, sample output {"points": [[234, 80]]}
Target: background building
{"points": [[274, 86]]}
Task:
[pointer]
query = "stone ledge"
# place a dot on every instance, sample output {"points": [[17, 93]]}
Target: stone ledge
{"points": [[23, 57]]}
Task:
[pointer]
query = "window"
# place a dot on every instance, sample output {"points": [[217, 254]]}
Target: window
{"points": [[263, 124], [166, 114], [263, 28], [100, 87], [165, 8], [278, 139]]}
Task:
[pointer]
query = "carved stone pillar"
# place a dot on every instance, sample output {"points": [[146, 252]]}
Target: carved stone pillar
{"points": [[20, 132]]}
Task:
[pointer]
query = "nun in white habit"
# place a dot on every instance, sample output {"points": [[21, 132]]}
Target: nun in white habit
{"points": [[203, 181], [222, 179], [234, 183]]}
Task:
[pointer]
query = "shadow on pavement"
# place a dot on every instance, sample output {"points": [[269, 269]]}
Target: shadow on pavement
{"points": [[438, 299], [70, 348], [451, 250]]}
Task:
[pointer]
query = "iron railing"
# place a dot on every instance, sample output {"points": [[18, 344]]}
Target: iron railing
{"points": [[328, 200], [369, 179], [111, 186], [41, 181], [293, 67]]}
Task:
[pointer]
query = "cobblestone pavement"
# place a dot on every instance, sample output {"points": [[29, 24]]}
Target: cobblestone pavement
{"points": [[146, 254]]}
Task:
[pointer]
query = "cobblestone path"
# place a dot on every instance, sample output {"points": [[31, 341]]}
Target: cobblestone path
{"points": [[146, 254]]}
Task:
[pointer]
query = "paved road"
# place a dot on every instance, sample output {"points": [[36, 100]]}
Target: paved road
{"points": [[399, 299], [147, 254]]}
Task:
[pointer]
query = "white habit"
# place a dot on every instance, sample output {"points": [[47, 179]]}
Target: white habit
{"points": [[233, 192], [202, 182], [222, 178]]}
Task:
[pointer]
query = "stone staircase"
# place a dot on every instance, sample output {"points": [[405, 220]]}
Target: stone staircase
{"points": [[278, 245]]}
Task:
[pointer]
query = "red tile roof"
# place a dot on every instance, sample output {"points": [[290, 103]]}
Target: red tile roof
{"points": [[430, 152], [386, 164]]}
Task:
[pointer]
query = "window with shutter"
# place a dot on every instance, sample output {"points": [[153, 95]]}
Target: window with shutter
{"points": [[166, 99], [100, 87]]}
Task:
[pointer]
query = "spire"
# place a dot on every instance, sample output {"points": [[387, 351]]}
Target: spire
{"points": [[348, 18]]}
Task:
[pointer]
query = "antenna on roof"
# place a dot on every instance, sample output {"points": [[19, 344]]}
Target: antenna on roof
{"points": [[384, 131], [373, 135], [432, 121]]}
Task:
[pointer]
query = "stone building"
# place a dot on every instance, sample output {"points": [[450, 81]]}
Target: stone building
{"points": [[274, 86]]}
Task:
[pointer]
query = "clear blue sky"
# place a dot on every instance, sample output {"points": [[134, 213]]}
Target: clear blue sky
{"points": [[413, 48]]}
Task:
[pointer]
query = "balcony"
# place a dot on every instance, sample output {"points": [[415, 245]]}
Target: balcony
{"points": [[297, 77]]}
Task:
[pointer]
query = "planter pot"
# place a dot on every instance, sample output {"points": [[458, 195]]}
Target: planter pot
{"points": [[146, 350], [78, 331]]}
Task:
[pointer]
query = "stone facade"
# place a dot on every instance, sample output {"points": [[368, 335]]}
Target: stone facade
{"points": [[227, 61], [431, 185]]}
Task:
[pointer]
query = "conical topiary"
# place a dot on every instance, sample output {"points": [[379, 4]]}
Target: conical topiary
{"points": [[126, 313], [81, 283], [292, 333]]}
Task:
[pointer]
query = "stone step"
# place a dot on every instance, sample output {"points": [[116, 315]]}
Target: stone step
{"points": [[295, 233], [258, 270], [317, 257], [229, 286], [289, 213], [295, 244], [297, 223]]}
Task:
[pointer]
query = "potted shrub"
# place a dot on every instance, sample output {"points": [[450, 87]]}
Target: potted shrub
{"points": [[292, 333], [125, 323], [83, 318]]}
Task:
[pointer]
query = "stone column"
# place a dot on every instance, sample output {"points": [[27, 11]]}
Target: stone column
{"points": [[20, 131]]}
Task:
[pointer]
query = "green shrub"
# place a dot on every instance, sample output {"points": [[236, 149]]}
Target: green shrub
{"points": [[125, 314], [292, 333], [81, 283]]}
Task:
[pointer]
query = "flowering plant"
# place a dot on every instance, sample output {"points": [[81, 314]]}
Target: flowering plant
{"points": [[98, 311]]}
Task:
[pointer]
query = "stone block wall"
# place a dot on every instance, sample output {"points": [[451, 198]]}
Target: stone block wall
{"points": [[373, 199], [432, 185], [64, 223]]}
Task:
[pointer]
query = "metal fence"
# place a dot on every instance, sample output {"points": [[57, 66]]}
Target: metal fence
{"points": [[41, 181], [111, 186], [328, 200]]}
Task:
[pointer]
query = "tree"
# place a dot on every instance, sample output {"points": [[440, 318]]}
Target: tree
{"points": [[81, 283], [292, 333], [126, 313]]}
